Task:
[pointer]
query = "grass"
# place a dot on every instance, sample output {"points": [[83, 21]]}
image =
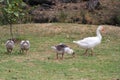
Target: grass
{"points": [[40, 63]]}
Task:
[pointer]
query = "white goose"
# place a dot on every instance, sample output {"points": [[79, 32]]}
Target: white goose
{"points": [[90, 42]]}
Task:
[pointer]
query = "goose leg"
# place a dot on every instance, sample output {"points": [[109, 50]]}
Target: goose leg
{"points": [[92, 53], [7, 50], [62, 55], [26, 51], [85, 52], [10, 51], [57, 55], [73, 54]]}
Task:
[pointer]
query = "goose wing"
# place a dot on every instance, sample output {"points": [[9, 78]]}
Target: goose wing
{"points": [[89, 40]]}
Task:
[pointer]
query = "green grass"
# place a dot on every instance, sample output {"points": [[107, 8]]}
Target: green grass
{"points": [[40, 62]]}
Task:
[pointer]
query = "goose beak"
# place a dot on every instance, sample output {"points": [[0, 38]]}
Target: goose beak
{"points": [[103, 29]]}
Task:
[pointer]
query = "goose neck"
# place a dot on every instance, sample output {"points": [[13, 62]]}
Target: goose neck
{"points": [[98, 34]]}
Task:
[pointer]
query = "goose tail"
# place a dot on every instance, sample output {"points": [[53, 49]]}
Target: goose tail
{"points": [[76, 42]]}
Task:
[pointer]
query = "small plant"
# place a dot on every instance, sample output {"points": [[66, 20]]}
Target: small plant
{"points": [[12, 12]]}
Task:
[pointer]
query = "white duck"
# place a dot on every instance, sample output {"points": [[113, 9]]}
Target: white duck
{"points": [[91, 42]]}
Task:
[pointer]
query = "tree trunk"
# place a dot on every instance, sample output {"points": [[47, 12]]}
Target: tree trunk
{"points": [[11, 32]]}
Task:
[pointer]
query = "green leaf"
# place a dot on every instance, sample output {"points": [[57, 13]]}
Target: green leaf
{"points": [[1, 0], [8, 2], [16, 14], [22, 14], [12, 11]]}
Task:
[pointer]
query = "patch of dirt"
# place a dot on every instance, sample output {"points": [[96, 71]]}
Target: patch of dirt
{"points": [[76, 12]]}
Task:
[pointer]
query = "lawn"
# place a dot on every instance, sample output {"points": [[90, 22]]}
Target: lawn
{"points": [[40, 63]]}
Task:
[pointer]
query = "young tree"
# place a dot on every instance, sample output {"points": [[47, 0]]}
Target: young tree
{"points": [[12, 12]]}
